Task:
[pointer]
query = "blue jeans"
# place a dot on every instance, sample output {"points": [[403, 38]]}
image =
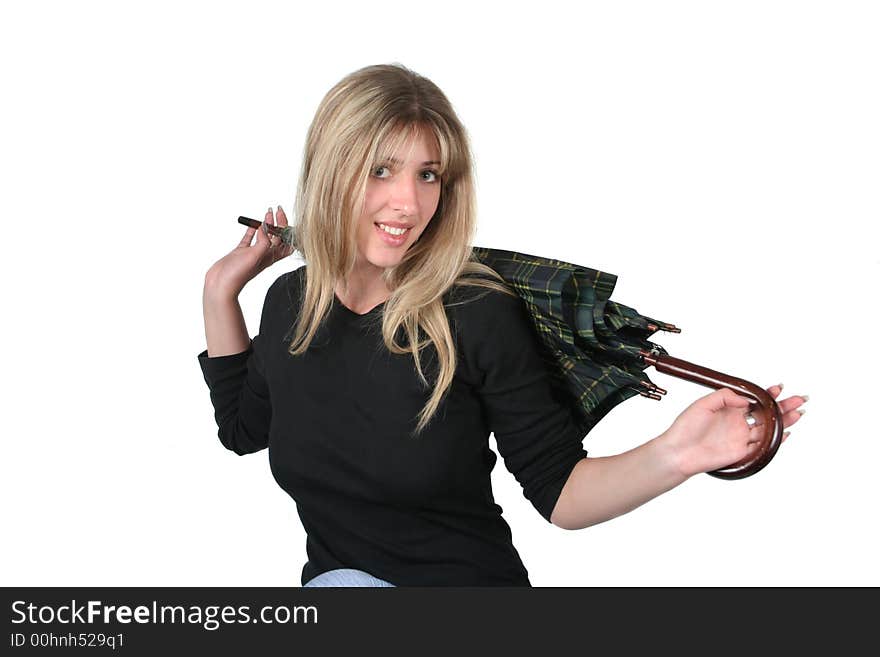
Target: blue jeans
{"points": [[346, 577]]}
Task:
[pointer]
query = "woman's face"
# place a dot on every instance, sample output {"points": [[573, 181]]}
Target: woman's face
{"points": [[400, 194]]}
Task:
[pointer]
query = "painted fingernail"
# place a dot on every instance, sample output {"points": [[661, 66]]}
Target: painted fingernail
{"points": [[802, 410], [805, 397]]}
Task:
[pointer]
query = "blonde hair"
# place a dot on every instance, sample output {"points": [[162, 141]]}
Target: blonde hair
{"points": [[365, 118]]}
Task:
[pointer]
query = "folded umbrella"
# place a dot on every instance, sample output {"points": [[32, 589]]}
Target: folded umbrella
{"points": [[597, 349]]}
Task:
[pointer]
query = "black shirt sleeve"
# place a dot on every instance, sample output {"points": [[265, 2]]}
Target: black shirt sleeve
{"points": [[238, 389], [536, 434]]}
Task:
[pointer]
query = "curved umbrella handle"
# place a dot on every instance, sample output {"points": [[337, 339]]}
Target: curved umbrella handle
{"points": [[764, 408]]}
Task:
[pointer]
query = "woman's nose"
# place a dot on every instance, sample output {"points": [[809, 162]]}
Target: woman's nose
{"points": [[404, 196]]}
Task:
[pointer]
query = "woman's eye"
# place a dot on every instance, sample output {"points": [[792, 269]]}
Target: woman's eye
{"points": [[435, 177]]}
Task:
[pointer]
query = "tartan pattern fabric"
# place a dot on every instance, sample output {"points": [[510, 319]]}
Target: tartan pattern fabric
{"points": [[590, 343]]}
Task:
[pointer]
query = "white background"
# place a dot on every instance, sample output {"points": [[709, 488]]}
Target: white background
{"points": [[720, 158]]}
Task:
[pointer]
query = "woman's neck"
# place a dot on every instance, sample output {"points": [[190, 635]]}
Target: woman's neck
{"points": [[365, 289]]}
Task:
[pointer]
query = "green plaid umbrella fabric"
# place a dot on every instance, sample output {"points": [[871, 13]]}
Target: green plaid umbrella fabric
{"points": [[591, 344], [597, 349]]}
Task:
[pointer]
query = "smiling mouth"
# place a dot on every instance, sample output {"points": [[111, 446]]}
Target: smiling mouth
{"points": [[392, 230], [391, 238]]}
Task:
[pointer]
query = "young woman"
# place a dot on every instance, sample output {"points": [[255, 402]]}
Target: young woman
{"points": [[382, 365]]}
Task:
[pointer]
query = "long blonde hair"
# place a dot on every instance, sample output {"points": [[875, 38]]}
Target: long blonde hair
{"points": [[364, 118]]}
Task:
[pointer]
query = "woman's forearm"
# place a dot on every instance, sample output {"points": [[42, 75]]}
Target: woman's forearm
{"points": [[225, 328], [605, 487]]}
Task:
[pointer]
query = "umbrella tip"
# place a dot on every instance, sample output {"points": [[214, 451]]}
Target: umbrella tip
{"points": [[670, 328], [653, 388]]}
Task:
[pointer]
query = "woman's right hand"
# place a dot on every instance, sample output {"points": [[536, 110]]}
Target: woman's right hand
{"points": [[227, 277]]}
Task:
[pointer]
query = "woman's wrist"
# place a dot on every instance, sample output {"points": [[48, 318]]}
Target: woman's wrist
{"points": [[216, 292], [674, 456]]}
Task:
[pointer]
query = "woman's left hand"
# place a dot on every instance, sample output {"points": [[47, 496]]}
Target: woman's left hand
{"points": [[712, 433]]}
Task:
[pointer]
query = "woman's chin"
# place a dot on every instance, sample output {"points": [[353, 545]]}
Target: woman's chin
{"points": [[383, 259], [385, 263]]}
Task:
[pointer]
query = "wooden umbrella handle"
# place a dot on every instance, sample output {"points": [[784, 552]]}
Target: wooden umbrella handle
{"points": [[764, 408]]}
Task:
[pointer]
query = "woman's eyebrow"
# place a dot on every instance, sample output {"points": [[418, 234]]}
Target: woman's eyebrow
{"points": [[394, 160]]}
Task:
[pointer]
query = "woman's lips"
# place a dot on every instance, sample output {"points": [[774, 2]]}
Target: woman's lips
{"points": [[392, 240]]}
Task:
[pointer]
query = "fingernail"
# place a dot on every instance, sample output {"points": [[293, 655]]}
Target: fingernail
{"points": [[802, 410], [805, 397], [786, 433], [781, 386], [279, 209]]}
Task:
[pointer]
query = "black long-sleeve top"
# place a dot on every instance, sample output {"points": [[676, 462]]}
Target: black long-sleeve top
{"points": [[415, 511]]}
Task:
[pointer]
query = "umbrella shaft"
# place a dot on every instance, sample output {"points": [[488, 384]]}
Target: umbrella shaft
{"points": [[697, 374]]}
